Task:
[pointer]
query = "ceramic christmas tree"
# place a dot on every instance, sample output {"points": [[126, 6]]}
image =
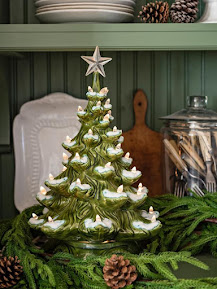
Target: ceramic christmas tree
{"points": [[91, 206]]}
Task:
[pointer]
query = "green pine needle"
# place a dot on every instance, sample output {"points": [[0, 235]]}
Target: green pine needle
{"points": [[181, 219]]}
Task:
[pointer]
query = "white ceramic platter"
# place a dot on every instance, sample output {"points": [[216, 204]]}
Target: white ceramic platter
{"points": [[84, 15], [103, 7], [38, 128], [40, 3]]}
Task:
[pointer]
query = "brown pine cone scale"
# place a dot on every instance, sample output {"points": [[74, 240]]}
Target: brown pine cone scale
{"points": [[155, 12], [10, 271], [118, 272]]}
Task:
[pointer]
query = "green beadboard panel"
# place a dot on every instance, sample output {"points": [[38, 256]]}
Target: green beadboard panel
{"points": [[73, 73], [177, 81], [57, 71], [166, 77], [144, 78], [4, 12], [126, 90], [195, 73], [161, 92], [15, 6], [30, 10], [40, 71], [111, 81], [210, 78], [24, 80], [7, 209], [4, 98]]}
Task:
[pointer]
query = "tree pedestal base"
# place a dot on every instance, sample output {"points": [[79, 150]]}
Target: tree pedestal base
{"points": [[82, 249]]}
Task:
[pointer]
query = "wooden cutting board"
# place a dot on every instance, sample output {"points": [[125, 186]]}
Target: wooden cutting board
{"points": [[145, 147]]}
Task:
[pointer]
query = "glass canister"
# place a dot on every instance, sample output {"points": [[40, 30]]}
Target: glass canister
{"points": [[190, 149]]}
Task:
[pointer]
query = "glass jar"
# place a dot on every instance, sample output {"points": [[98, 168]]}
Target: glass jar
{"points": [[190, 149]]}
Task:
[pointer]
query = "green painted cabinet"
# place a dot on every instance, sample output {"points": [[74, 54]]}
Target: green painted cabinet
{"points": [[167, 77]]}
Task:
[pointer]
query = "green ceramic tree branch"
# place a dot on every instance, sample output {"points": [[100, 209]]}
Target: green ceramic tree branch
{"points": [[92, 205]]}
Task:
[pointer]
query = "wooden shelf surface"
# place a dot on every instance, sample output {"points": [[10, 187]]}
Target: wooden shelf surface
{"points": [[113, 37]]}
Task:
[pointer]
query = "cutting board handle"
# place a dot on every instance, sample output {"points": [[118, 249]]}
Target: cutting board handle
{"points": [[140, 107]]}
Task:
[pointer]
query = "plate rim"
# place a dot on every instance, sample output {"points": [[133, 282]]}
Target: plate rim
{"points": [[38, 2], [85, 3], [97, 9], [127, 8], [87, 10]]}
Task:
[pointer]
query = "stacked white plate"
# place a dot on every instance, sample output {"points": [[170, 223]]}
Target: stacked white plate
{"points": [[65, 11]]}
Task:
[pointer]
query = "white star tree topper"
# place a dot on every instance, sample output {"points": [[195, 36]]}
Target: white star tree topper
{"points": [[96, 62]]}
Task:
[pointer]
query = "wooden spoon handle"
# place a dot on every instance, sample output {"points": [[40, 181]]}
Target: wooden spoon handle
{"points": [[175, 157], [190, 151]]}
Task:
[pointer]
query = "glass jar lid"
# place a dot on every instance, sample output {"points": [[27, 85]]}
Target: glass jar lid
{"points": [[196, 111]]}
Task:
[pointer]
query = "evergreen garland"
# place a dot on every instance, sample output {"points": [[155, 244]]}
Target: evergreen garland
{"points": [[180, 217], [185, 224], [17, 241]]}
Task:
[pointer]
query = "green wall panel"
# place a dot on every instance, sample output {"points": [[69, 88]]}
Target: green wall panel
{"points": [[127, 87], [195, 73], [40, 73], [15, 6], [4, 98], [7, 186], [161, 87], [210, 78], [177, 81], [166, 77], [145, 80], [112, 79], [4, 12], [58, 66], [74, 72]]}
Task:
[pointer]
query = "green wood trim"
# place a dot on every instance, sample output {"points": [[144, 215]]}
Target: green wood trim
{"points": [[128, 36]]}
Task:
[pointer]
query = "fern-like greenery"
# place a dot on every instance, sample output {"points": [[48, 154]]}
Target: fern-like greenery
{"points": [[184, 224], [181, 219], [17, 241]]}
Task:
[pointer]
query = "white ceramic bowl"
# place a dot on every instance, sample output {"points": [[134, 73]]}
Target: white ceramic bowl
{"points": [[84, 15]]}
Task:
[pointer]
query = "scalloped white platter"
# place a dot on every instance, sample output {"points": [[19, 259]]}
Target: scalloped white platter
{"points": [[95, 7], [39, 130], [84, 15], [41, 3]]}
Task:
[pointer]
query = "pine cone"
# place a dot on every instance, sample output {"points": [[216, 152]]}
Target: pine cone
{"points": [[118, 272], [155, 12], [10, 271], [184, 11]]}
